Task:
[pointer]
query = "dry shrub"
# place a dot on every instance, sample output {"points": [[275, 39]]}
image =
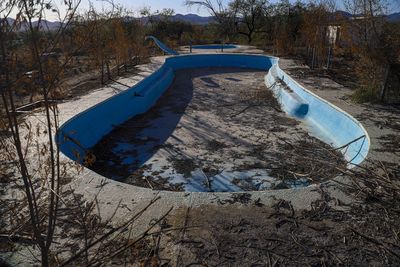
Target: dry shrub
{"points": [[370, 75]]}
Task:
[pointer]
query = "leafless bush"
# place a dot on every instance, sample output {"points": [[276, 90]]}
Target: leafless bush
{"points": [[37, 203]]}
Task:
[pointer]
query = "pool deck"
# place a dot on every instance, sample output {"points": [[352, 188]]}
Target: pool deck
{"points": [[380, 122]]}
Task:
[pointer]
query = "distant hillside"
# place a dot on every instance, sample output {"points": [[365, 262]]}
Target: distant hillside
{"points": [[190, 18], [342, 14], [193, 18], [199, 20], [44, 24], [395, 17]]}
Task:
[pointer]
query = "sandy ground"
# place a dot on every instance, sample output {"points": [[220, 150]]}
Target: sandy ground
{"points": [[382, 124], [215, 129]]}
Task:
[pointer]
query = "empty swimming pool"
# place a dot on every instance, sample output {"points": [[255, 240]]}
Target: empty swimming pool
{"points": [[217, 122]]}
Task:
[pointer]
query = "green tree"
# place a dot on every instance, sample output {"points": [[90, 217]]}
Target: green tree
{"points": [[249, 16]]}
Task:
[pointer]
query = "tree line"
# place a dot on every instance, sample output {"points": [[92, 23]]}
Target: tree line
{"points": [[110, 41], [360, 36]]}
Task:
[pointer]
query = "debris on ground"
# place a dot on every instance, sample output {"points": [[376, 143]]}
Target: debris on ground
{"points": [[213, 132]]}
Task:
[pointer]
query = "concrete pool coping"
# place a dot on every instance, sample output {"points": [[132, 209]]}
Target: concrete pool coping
{"points": [[236, 49], [215, 47]]}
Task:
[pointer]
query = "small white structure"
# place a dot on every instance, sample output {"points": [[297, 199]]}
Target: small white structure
{"points": [[333, 34]]}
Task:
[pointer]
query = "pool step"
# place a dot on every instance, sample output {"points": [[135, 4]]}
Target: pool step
{"points": [[158, 85]]}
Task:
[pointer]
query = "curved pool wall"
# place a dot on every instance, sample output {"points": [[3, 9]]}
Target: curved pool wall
{"points": [[327, 122], [76, 136], [215, 46]]}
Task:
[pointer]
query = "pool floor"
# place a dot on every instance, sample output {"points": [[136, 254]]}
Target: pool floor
{"points": [[214, 129]]}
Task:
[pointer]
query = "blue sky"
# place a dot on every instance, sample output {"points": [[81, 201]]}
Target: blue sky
{"points": [[179, 6]]}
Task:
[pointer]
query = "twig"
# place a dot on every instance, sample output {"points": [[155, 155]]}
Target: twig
{"points": [[109, 233], [143, 235], [374, 241]]}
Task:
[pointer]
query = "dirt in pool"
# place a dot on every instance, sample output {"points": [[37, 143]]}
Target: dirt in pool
{"points": [[215, 129]]}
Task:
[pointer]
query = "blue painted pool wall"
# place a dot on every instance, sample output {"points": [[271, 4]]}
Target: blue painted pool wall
{"points": [[328, 122], [220, 60]]}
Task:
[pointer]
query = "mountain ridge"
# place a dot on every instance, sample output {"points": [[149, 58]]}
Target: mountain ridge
{"points": [[189, 18]]}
